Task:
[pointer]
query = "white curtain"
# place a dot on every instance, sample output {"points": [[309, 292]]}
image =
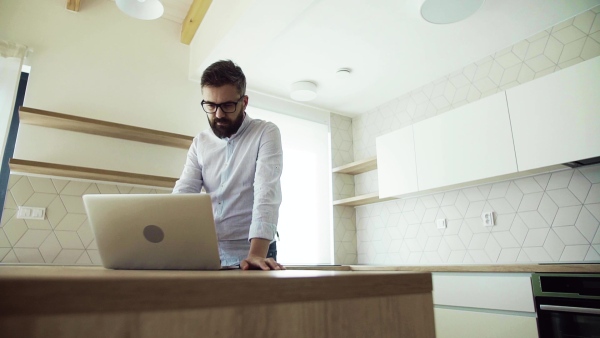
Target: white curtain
{"points": [[305, 214], [11, 61]]}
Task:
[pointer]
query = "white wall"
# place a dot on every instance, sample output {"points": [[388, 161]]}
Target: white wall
{"points": [[9, 79], [100, 63]]}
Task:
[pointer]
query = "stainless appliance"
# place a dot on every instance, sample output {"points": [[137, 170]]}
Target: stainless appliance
{"points": [[567, 305]]}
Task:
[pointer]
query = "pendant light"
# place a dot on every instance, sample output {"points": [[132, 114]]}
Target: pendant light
{"points": [[141, 9]]}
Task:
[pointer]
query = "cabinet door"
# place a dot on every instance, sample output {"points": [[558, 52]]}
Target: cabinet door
{"points": [[472, 142], [455, 323], [495, 291], [396, 168], [556, 119]]}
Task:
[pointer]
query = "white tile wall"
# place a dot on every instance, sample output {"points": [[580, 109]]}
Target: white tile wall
{"points": [[548, 229], [542, 218], [65, 236], [344, 219]]}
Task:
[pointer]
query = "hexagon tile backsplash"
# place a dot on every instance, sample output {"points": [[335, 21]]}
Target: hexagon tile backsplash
{"points": [[65, 236], [553, 217]]}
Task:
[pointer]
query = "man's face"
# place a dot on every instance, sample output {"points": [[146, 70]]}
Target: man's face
{"points": [[225, 124]]}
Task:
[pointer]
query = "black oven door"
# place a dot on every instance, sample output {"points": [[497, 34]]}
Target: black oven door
{"points": [[567, 305], [563, 317]]}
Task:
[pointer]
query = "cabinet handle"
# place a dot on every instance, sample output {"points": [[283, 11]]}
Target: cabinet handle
{"points": [[570, 309]]}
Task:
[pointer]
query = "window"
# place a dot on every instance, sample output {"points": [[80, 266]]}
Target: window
{"points": [[305, 214]]}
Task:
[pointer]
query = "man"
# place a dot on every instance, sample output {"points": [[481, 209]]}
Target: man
{"points": [[238, 161]]}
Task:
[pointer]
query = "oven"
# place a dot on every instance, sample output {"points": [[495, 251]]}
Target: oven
{"points": [[567, 305]]}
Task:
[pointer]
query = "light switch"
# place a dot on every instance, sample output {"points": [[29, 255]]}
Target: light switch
{"points": [[441, 223]]}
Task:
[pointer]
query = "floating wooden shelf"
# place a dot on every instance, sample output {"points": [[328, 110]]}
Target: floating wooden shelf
{"points": [[52, 169], [357, 167], [103, 128], [362, 200]]}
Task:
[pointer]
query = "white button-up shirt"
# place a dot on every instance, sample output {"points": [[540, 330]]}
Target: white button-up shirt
{"points": [[242, 175]]}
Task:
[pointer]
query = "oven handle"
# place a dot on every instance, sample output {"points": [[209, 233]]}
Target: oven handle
{"points": [[570, 309]]}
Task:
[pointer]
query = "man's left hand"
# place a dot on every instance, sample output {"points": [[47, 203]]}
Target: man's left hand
{"points": [[260, 263]]}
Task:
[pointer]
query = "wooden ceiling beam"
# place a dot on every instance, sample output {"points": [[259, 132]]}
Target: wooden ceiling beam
{"points": [[73, 5], [193, 19]]}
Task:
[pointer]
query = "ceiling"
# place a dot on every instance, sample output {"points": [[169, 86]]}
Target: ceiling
{"points": [[390, 49]]}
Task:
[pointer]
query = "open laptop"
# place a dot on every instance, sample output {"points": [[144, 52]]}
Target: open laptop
{"points": [[154, 231]]}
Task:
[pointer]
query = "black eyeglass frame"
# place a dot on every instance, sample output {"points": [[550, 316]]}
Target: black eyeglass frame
{"points": [[220, 105]]}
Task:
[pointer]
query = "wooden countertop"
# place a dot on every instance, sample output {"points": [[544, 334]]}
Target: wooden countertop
{"points": [[550, 268], [61, 289]]}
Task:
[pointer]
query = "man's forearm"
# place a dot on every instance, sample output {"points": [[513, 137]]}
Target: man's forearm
{"points": [[259, 247]]}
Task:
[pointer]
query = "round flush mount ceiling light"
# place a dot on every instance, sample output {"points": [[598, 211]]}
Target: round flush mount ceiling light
{"points": [[141, 9], [449, 11], [303, 91]]}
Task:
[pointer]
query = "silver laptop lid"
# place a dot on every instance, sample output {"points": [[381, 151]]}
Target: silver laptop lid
{"points": [[155, 231]]}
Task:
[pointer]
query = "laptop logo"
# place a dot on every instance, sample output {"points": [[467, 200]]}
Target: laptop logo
{"points": [[153, 233]]}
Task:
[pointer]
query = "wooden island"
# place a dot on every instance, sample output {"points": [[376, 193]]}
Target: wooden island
{"points": [[56, 301]]}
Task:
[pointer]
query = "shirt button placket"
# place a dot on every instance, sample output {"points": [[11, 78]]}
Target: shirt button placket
{"points": [[225, 174]]}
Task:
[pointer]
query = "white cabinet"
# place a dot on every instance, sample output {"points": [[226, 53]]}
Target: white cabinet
{"points": [[470, 143], [456, 323], [397, 169], [556, 119], [483, 305], [510, 291]]}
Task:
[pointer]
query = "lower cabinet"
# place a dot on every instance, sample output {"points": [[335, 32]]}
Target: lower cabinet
{"points": [[483, 305], [453, 323]]}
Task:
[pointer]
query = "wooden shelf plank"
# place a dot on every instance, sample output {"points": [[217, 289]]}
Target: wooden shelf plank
{"points": [[103, 128], [357, 167], [362, 200], [53, 169]]}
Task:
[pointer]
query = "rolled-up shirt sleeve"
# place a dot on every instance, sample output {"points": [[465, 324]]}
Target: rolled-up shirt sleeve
{"points": [[267, 186], [190, 180]]}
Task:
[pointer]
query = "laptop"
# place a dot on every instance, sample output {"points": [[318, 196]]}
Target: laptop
{"points": [[154, 231]]}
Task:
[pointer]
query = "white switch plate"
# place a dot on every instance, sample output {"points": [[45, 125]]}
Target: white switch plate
{"points": [[441, 223], [31, 213], [488, 219]]}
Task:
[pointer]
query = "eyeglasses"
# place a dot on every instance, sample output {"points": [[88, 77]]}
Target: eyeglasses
{"points": [[226, 107]]}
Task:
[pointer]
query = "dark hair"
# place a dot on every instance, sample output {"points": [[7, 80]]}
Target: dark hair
{"points": [[222, 73]]}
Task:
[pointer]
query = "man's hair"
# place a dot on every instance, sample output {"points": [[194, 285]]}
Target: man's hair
{"points": [[224, 72]]}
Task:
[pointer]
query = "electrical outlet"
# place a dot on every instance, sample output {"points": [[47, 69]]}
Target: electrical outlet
{"points": [[441, 223], [488, 219], [31, 213]]}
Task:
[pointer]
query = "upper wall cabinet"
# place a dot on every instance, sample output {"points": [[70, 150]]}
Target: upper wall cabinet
{"points": [[556, 119], [470, 143], [397, 168]]}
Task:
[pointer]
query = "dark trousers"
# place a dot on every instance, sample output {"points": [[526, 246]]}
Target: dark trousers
{"points": [[272, 253]]}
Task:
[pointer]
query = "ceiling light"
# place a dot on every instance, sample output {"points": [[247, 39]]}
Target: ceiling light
{"points": [[303, 91], [449, 11], [142, 9]]}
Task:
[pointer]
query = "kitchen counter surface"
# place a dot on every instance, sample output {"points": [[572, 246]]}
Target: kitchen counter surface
{"points": [[550, 268], [124, 290], [59, 301]]}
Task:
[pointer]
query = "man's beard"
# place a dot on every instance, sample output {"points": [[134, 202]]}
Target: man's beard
{"points": [[228, 128]]}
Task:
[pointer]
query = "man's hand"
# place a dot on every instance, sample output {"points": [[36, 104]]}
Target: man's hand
{"points": [[256, 257], [260, 263]]}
